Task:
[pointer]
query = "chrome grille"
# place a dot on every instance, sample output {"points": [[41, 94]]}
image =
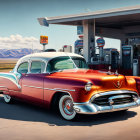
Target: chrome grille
{"points": [[116, 99]]}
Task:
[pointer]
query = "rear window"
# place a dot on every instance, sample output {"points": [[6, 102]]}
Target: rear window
{"points": [[23, 68]]}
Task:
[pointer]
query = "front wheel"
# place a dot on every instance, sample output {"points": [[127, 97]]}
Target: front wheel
{"points": [[66, 107], [7, 98]]}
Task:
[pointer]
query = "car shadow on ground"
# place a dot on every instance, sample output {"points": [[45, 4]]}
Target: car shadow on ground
{"points": [[26, 112]]}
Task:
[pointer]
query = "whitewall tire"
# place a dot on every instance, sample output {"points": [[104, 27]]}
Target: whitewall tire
{"points": [[66, 107], [7, 98]]}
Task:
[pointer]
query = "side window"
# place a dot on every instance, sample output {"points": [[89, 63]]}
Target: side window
{"points": [[37, 67], [23, 68]]}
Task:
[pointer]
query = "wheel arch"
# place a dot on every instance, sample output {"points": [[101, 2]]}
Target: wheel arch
{"points": [[1, 92], [57, 96]]}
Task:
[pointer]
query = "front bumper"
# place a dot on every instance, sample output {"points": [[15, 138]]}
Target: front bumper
{"points": [[91, 108]]}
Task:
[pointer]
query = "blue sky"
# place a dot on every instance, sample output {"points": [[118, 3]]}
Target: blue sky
{"points": [[19, 18]]}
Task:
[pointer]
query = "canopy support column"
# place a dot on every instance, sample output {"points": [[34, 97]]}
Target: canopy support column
{"points": [[89, 40]]}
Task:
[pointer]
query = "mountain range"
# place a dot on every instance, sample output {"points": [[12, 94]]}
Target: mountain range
{"points": [[15, 53]]}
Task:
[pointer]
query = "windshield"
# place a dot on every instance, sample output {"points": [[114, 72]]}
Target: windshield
{"points": [[61, 63]]}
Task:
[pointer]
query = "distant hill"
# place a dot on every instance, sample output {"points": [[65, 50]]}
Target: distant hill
{"points": [[15, 53]]}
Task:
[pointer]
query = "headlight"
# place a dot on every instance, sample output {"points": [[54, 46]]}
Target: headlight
{"points": [[88, 86]]}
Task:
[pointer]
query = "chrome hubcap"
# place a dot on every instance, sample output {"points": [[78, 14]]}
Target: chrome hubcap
{"points": [[68, 106], [7, 98]]}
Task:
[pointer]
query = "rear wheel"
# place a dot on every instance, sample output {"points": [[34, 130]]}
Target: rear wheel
{"points": [[7, 98], [66, 107]]}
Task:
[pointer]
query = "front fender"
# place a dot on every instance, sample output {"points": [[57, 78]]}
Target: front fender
{"points": [[137, 79], [74, 86]]}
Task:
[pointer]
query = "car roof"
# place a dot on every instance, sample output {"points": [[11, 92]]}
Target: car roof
{"points": [[47, 56]]}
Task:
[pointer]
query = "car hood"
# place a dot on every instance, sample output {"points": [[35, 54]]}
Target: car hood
{"points": [[101, 79], [85, 74]]}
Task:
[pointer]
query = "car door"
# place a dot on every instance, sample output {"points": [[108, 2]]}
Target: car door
{"points": [[32, 82]]}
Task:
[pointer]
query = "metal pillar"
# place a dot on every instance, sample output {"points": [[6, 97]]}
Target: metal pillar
{"points": [[89, 40], [122, 42], [101, 54], [44, 47]]}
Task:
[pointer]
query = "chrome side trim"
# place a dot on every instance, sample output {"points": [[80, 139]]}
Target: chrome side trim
{"points": [[3, 87], [33, 87], [55, 89], [59, 89], [13, 90]]}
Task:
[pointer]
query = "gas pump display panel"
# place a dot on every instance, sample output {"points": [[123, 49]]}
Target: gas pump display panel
{"points": [[126, 57]]}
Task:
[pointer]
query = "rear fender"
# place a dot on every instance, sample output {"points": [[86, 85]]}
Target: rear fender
{"points": [[9, 81], [2, 88]]}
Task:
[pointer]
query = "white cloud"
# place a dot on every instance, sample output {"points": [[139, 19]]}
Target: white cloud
{"points": [[18, 41]]}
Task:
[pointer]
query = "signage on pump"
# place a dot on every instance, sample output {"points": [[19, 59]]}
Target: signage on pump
{"points": [[79, 30], [78, 43], [126, 50], [100, 42]]}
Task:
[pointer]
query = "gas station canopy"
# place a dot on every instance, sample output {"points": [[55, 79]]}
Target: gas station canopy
{"points": [[114, 18], [122, 23]]}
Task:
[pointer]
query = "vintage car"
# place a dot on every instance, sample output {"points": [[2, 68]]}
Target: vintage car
{"points": [[64, 82]]}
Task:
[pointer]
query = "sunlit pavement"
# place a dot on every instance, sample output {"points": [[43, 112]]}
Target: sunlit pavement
{"points": [[20, 121]]}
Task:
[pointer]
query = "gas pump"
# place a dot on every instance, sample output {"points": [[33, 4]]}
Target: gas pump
{"points": [[126, 60], [114, 59], [100, 43], [111, 57], [78, 46], [127, 57]]}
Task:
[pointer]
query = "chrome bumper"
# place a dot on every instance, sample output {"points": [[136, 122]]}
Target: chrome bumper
{"points": [[90, 108]]}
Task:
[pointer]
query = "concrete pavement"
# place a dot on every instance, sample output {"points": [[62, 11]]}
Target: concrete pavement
{"points": [[20, 121]]}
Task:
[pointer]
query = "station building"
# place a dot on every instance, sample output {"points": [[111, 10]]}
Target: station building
{"points": [[121, 23]]}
